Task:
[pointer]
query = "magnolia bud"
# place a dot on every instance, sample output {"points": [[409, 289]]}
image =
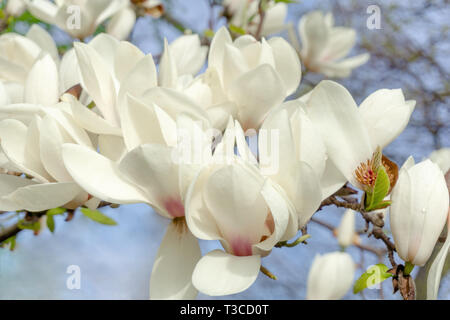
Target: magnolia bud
{"points": [[330, 277], [346, 230], [419, 208], [15, 7], [442, 158]]}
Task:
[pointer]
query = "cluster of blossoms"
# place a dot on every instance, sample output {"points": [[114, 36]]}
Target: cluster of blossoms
{"points": [[222, 154]]}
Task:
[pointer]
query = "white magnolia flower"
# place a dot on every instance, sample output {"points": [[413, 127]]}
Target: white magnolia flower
{"points": [[157, 174], [330, 276], [232, 202], [35, 150], [324, 46], [255, 76], [420, 202], [244, 14], [292, 153], [181, 60], [122, 22], [19, 56], [442, 158], [79, 18], [15, 7], [109, 71], [352, 134], [346, 230]]}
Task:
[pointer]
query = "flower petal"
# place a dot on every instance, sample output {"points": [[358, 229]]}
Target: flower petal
{"points": [[201, 223], [217, 48], [40, 197], [168, 74], [126, 58], [343, 68], [332, 179], [152, 167], [122, 23], [174, 103], [44, 40], [14, 140], [189, 54], [287, 63], [385, 114], [88, 119], [141, 78], [255, 93], [314, 34], [219, 273], [342, 129], [111, 146], [99, 176], [98, 81], [136, 129], [232, 194], [435, 272], [174, 264], [42, 84]]}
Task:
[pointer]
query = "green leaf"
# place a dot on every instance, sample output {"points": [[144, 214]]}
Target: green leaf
{"points": [[236, 29], [380, 190], [209, 33], [50, 223], [11, 241], [51, 220], [55, 211], [28, 18], [375, 274], [381, 205], [27, 225], [285, 1], [97, 216]]}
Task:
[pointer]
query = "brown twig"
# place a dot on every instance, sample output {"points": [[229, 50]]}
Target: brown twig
{"points": [[262, 16]]}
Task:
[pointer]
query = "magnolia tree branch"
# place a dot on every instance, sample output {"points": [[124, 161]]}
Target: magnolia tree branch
{"points": [[401, 281], [14, 229], [262, 15], [378, 252]]}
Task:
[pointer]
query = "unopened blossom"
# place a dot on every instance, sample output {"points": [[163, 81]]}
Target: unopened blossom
{"points": [[351, 134], [245, 14], [435, 271], [232, 202], [419, 209], [254, 75], [122, 22], [442, 158], [330, 276], [346, 230], [153, 172], [325, 47], [79, 18], [292, 153], [15, 7]]}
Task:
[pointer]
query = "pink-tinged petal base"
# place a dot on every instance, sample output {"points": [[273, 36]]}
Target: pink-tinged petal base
{"points": [[241, 247], [174, 207]]}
